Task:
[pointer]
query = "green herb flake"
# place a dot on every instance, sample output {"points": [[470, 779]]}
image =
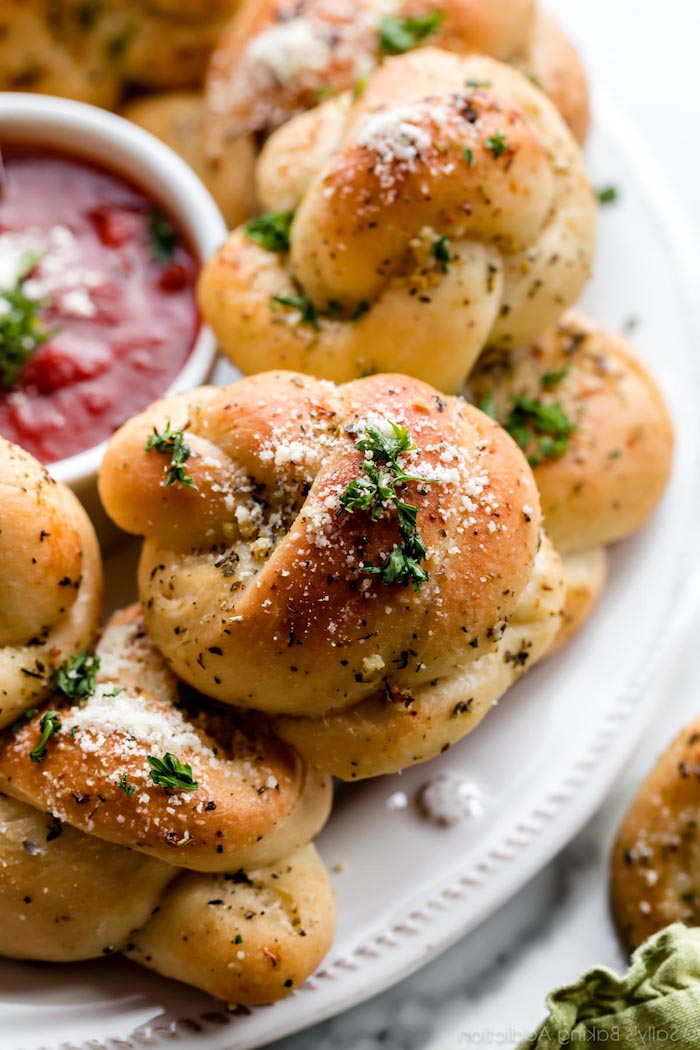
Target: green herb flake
{"points": [[398, 34], [170, 442], [303, 304], [359, 89], [171, 774], [49, 725], [441, 252], [607, 194], [22, 330], [474, 83], [542, 431], [375, 491], [162, 236], [552, 378], [497, 143], [75, 678], [238, 939], [271, 230], [125, 786], [469, 156]]}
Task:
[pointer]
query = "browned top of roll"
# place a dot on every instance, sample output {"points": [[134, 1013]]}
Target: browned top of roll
{"points": [[253, 798]]}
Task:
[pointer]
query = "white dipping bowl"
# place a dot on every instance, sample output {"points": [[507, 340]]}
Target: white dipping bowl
{"points": [[119, 146]]}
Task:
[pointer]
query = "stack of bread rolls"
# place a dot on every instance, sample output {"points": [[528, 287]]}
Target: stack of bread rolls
{"points": [[349, 555]]}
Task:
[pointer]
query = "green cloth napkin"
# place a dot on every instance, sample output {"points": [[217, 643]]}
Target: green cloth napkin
{"points": [[655, 1004]]}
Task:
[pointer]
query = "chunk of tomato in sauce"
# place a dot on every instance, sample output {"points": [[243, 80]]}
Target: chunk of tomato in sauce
{"points": [[121, 308]]}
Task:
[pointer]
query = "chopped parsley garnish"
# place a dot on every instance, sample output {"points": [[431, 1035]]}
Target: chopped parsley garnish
{"points": [[542, 431], [76, 677], [125, 786], [303, 304], [271, 230], [375, 491], [24, 718], [49, 725], [238, 939], [162, 235], [552, 378], [397, 34], [497, 143], [607, 194], [171, 443], [21, 329], [441, 252], [171, 774], [469, 156], [474, 83]]}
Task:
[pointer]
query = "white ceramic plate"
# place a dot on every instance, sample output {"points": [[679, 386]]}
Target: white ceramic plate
{"points": [[537, 768]]}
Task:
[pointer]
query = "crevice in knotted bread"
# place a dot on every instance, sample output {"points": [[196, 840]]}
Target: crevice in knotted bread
{"points": [[255, 800], [394, 729], [246, 936]]}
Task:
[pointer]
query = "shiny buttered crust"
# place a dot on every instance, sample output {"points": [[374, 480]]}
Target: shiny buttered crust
{"points": [[92, 51], [444, 207], [255, 800], [175, 118], [66, 896], [50, 580], [395, 729], [253, 583], [618, 460], [655, 863], [249, 937], [276, 60]]}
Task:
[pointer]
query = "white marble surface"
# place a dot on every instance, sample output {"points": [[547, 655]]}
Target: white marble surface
{"points": [[490, 989]]}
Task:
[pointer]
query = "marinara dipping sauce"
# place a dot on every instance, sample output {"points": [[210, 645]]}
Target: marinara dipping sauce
{"points": [[97, 303]]}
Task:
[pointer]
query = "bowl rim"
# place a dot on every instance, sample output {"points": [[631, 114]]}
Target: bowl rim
{"points": [[82, 130]]}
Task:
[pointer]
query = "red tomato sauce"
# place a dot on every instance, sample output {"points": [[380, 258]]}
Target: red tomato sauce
{"points": [[114, 284]]}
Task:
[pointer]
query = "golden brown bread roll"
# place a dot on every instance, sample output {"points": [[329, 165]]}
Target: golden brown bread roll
{"points": [[50, 580], [247, 937], [278, 58], [397, 728], [486, 233], [175, 118], [241, 797], [602, 452], [655, 864], [66, 896], [91, 50], [585, 575], [263, 589]]}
